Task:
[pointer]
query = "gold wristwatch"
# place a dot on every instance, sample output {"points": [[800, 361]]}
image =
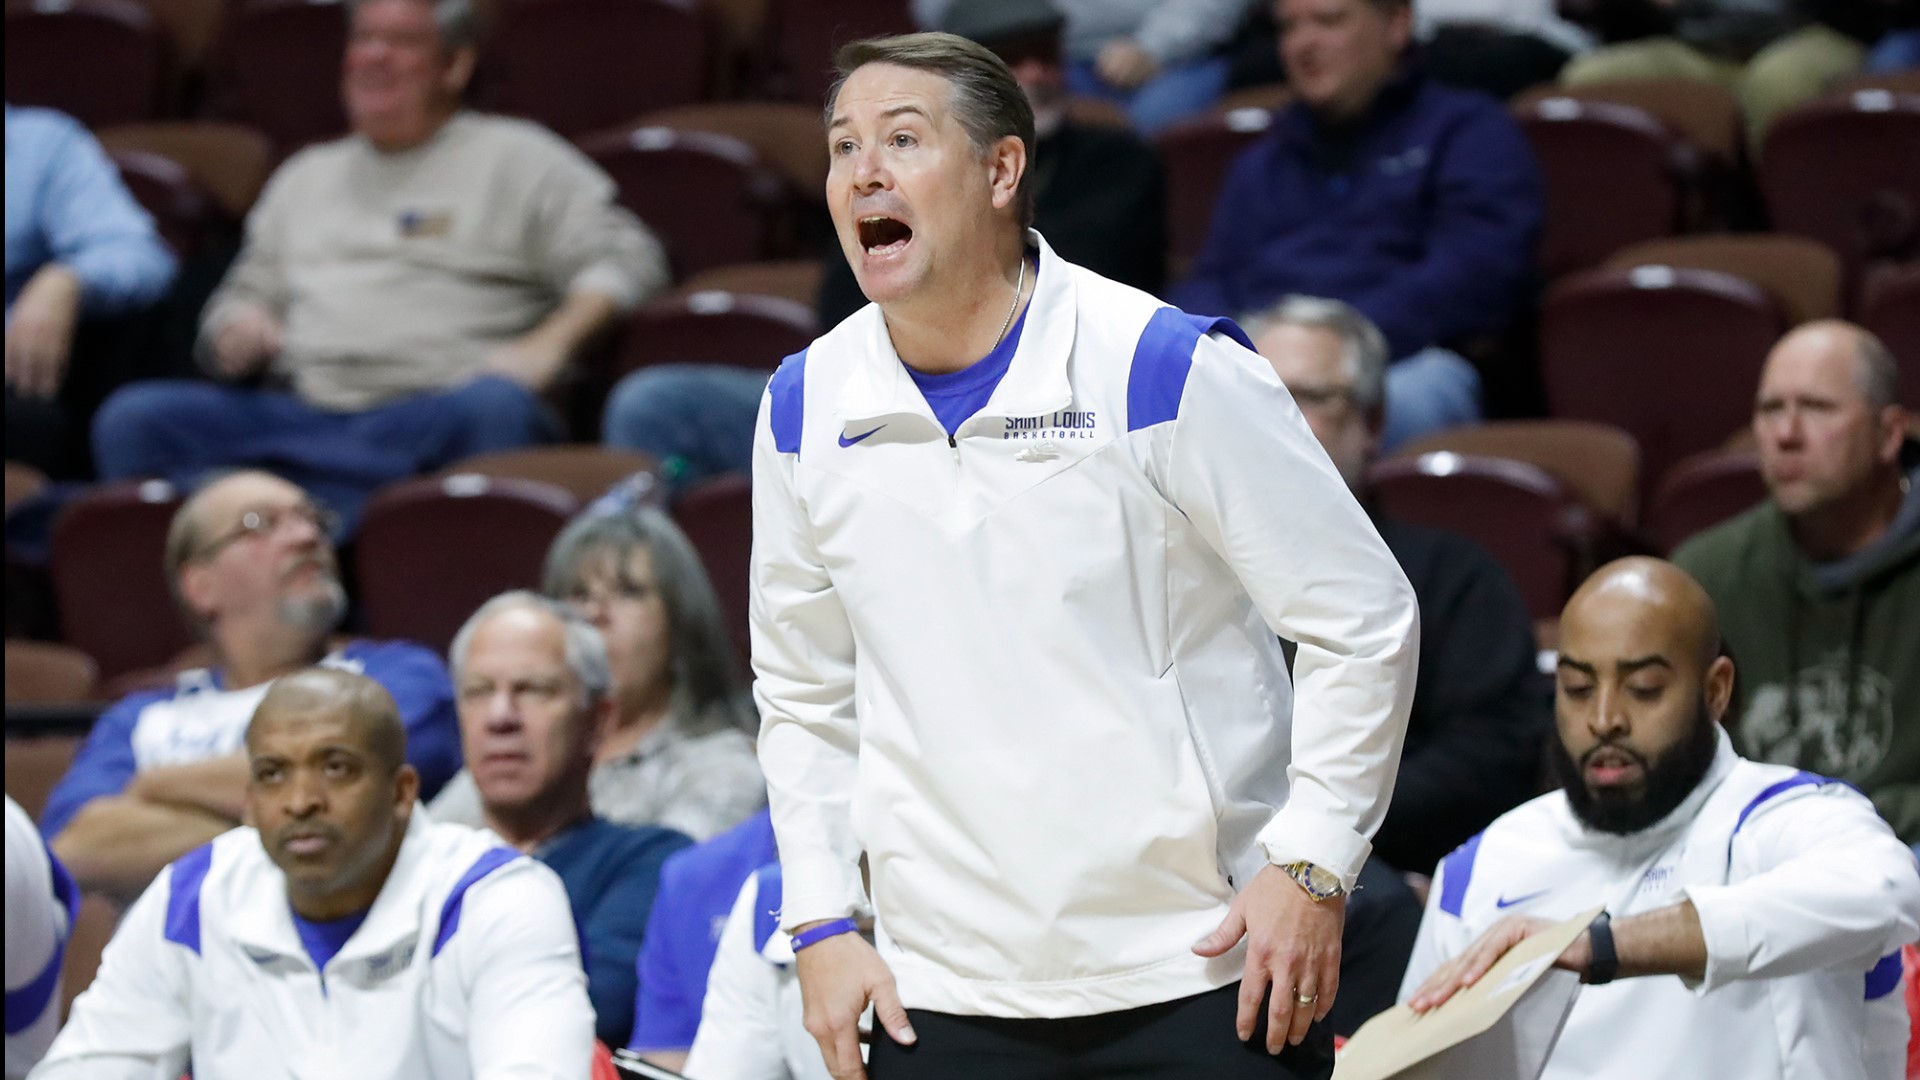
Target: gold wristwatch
{"points": [[1318, 883]]}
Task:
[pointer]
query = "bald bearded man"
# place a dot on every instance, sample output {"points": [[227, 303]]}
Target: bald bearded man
{"points": [[1754, 914], [342, 934]]}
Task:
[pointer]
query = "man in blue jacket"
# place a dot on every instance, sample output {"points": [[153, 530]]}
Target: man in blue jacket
{"points": [[1416, 203]]}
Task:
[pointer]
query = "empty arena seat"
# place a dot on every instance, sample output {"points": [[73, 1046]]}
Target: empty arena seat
{"points": [[1670, 355], [182, 210], [1801, 273], [784, 135], [717, 516], [583, 470], [579, 66], [1892, 312], [1846, 171], [276, 67], [1598, 464], [99, 61], [1529, 521], [1706, 114], [1197, 155], [41, 673], [740, 329], [430, 551], [230, 162], [1614, 174], [1700, 492], [801, 36], [707, 196], [109, 583]]}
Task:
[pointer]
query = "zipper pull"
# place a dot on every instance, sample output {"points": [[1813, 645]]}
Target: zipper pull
{"points": [[955, 445]]}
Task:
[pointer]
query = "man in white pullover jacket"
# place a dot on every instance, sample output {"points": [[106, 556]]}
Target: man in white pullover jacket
{"points": [[1755, 914], [1022, 541]]}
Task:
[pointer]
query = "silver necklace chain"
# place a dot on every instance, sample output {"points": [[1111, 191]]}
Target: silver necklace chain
{"points": [[1018, 284]]}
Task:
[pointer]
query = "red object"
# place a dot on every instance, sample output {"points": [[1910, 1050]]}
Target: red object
{"points": [[1892, 312], [1910, 959], [1701, 492], [108, 580], [1846, 171], [1613, 175], [796, 61], [603, 1067], [706, 195], [584, 65]]}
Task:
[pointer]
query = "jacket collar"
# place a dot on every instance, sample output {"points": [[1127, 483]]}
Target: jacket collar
{"points": [[1662, 833], [879, 387], [266, 925]]}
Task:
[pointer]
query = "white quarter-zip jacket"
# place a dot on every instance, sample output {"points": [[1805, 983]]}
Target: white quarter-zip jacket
{"points": [[1804, 895], [1031, 670], [42, 901], [468, 966]]}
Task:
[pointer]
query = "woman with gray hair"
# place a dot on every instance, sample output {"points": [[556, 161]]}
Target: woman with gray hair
{"points": [[676, 751]]}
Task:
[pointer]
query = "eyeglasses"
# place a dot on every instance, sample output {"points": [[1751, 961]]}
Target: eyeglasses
{"points": [[263, 522], [1319, 396]]}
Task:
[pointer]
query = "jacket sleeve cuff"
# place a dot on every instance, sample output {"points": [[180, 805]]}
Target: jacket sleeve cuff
{"points": [[1724, 927], [811, 893], [1295, 835]]}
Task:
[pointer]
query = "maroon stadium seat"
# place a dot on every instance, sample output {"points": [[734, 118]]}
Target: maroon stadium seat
{"points": [[99, 61], [583, 470], [579, 66], [35, 763], [1846, 171], [707, 196], [1614, 175], [41, 673], [715, 328], [431, 551], [277, 67], [1802, 274], [717, 516], [1700, 492], [1598, 464], [796, 61], [230, 162], [1670, 355], [1892, 311], [1197, 155], [1530, 522], [109, 584], [181, 209]]}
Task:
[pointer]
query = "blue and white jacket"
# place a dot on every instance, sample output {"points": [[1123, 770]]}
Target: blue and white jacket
{"points": [[1031, 670], [467, 966], [1804, 895]]}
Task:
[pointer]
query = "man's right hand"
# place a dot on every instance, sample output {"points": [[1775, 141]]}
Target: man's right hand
{"points": [[251, 337], [838, 977]]}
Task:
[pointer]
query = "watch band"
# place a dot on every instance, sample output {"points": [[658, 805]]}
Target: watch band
{"points": [[1318, 883], [1603, 962], [818, 934]]}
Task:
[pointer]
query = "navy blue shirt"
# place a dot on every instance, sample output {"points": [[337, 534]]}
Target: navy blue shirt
{"points": [[324, 940], [611, 873], [697, 891], [955, 396], [1424, 214]]}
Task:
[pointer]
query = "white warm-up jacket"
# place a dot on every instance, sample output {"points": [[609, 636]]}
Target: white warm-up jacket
{"points": [[1031, 671], [1805, 898], [468, 966]]}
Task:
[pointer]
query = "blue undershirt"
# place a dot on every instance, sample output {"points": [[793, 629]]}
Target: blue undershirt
{"points": [[324, 940], [955, 396]]}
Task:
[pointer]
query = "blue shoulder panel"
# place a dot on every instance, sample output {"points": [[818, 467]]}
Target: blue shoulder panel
{"points": [[183, 897], [494, 859], [1884, 979], [1456, 870], [766, 907], [1797, 780], [26, 1004], [788, 389], [1161, 361]]}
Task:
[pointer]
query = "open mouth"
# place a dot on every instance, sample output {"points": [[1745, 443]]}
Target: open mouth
{"points": [[882, 235], [1609, 766]]}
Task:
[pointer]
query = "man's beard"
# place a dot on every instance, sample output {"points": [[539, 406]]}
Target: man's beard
{"points": [[318, 612], [1670, 778]]}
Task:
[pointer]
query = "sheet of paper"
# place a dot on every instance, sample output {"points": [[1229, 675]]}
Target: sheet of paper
{"points": [[1500, 1028]]}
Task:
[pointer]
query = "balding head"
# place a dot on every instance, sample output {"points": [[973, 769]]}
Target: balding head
{"points": [[1638, 693], [1825, 421], [249, 555], [329, 787]]}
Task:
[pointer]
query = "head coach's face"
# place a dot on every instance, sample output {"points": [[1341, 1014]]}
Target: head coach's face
{"points": [[329, 788], [927, 137]]}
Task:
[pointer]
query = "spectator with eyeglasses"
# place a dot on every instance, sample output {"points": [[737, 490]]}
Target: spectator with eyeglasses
{"points": [[250, 561]]}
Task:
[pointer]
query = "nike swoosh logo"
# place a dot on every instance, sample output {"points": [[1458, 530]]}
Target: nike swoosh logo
{"points": [[1503, 902], [844, 441]]}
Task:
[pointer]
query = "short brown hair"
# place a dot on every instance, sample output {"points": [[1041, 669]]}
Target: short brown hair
{"points": [[987, 99]]}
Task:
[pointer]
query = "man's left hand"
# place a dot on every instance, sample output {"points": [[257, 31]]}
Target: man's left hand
{"points": [[1466, 969], [40, 332], [1124, 65], [1293, 946]]}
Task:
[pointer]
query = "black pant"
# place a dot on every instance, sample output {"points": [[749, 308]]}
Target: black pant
{"points": [[1192, 1037]]}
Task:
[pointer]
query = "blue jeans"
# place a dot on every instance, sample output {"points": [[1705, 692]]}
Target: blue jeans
{"points": [[181, 429], [1169, 97], [696, 418], [1426, 392]]}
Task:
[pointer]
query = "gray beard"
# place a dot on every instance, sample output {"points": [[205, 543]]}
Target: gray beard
{"points": [[317, 614]]}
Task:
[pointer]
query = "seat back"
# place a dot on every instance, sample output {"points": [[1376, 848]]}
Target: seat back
{"points": [[277, 67], [707, 196], [797, 280], [1670, 355], [1700, 492], [1598, 464], [1892, 312], [739, 329], [35, 763], [182, 210], [1528, 521], [1705, 114], [1802, 274], [109, 581], [580, 66], [717, 516], [1846, 171], [42, 673], [784, 135], [229, 161], [1614, 174], [431, 551], [1197, 154], [583, 470], [99, 61], [796, 56]]}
